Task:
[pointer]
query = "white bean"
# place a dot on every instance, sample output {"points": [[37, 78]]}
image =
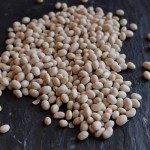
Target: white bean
{"points": [[121, 120], [83, 135], [4, 128], [107, 133]]}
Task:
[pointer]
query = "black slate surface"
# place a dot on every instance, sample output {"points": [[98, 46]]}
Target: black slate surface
{"points": [[27, 131]]}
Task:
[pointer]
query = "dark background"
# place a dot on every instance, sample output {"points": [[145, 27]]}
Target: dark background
{"points": [[27, 130]]}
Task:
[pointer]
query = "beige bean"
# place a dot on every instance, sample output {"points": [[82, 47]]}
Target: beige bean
{"points": [[135, 103], [45, 105], [99, 132], [110, 123], [25, 91], [4, 81], [54, 108], [58, 5], [146, 65], [122, 110], [83, 135], [4, 128], [129, 34], [133, 26], [127, 104], [73, 93], [111, 99], [68, 115], [131, 113], [120, 12], [17, 93], [125, 88], [25, 20], [120, 102], [25, 83], [35, 71], [33, 93], [98, 107], [77, 121], [90, 120], [83, 98], [87, 112], [83, 74], [45, 90], [59, 115], [123, 22], [106, 117], [131, 65], [96, 125], [146, 75], [84, 126], [64, 98], [85, 80], [63, 123], [121, 94], [107, 133], [90, 94], [15, 84], [97, 85], [121, 120], [96, 116], [34, 85], [115, 114], [74, 47], [136, 96], [62, 89], [47, 121]]}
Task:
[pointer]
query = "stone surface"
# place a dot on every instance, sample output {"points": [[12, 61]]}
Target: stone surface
{"points": [[27, 131]]}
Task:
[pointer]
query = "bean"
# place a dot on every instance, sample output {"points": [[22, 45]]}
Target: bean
{"points": [[83, 135], [17, 93], [4, 128], [63, 123], [47, 121], [120, 12], [15, 84], [96, 125], [131, 113], [111, 99], [131, 65], [133, 26], [136, 96], [146, 75], [68, 115], [135, 103], [121, 120], [59, 115], [107, 133], [54, 108], [45, 105], [25, 20], [110, 123], [84, 126], [99, 132]]}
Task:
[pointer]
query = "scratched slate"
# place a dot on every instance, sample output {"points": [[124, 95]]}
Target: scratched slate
{"points": [[27, 131]]}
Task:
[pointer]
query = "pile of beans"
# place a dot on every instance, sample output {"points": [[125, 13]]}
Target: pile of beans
{"points": [[72, 57]]}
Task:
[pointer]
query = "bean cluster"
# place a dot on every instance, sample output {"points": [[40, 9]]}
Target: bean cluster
{"points": [[72, 57]]}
